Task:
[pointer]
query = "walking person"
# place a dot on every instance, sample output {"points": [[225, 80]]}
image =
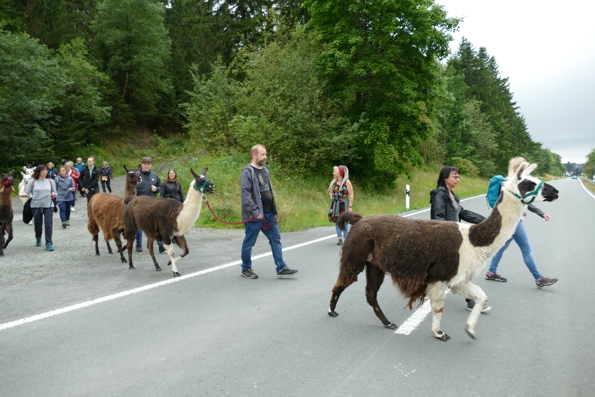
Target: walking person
{"points": [[259, 213], [79, 168], [148, 185], [106, 177], [64, 190], [43, 190], [74, 174], [52, 172], [341, 192], [446, 206], [172, 188], [89, 179], [522, 240]]}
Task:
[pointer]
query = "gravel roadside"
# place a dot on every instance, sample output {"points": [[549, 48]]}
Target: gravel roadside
{"points": [[74, 251]]}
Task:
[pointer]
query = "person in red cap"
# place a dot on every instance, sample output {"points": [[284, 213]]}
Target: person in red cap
{"points": [[341, 192]]}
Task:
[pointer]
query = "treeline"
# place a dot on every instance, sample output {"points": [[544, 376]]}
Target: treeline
{"points": [[368, 84]]}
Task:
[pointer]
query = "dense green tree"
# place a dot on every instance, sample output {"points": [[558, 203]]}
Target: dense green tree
{"points": [[380, 61], [589, 166], [31, 85], [133, 47]]}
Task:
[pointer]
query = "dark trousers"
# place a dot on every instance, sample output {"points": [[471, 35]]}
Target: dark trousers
{"points": [[43, 215], [89, 195], [64, 210], [104, 184]]}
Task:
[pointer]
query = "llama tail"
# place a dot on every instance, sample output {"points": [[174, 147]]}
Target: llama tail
{"points": [[128, 199], [348, 217], [91, 224]]}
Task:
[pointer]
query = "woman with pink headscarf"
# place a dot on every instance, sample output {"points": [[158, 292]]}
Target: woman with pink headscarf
{"points": [[341, 193]]}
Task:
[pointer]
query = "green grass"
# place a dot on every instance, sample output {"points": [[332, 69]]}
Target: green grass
{"points": [[302, 203]]}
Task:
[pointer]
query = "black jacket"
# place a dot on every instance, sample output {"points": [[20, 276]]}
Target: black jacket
{"points": [[146, 179], [172, 190], [89, 180], [443, 208]]}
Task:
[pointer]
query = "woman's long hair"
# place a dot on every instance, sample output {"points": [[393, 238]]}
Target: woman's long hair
{"points": [[445, 173], [38, 170], [175, 178]]}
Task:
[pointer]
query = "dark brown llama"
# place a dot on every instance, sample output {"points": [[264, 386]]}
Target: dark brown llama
{"points": [[6, 214], [427, 257], [166, 220], [105, 212]]}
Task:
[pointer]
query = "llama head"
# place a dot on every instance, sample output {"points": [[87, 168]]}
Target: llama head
{"points": [[132, 175], [7, 180], [202, 183], [526, 188]]}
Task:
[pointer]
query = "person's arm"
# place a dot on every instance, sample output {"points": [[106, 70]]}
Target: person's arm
{"points": [[350, 193], [157, 185], [181, 192], [28, 188], [470, 216], [247, 200], [163, 191], [539, 212], [438, 208]]}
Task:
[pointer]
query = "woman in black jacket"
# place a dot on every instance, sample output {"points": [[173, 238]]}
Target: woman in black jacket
{"points": [[172, 188], [446, 206]]}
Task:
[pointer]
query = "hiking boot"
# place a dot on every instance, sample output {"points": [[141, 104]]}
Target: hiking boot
{"points": [[68, 222], [471, 305], [139, 248], [339, 242], [48, 247], [161, 249], [249, 273], [495, 277], [38, 241], [64, 225], [545, 282], [286, 272]]}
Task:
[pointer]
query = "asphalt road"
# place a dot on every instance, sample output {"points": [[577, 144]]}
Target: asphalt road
{"points": [[214, 333]]}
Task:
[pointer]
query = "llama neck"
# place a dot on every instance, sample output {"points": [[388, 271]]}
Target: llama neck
{"points": [[493, 233], [130, 190], [6, 196], [190, 211]]}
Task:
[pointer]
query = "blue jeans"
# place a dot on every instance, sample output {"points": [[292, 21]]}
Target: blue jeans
{"points": [[139, 238], [73, 202], [64, 210], [274, 236], [340, 232], [520, 237]]}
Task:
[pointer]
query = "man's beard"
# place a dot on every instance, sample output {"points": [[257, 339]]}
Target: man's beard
{"points": [[261, 163]]}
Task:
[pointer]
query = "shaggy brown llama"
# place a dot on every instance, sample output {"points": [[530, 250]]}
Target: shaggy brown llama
{"points": [[166, 220], [105, 212], [6, 214], [426, 257]]}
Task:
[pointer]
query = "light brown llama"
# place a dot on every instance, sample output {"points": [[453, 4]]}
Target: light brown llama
{"points": [[6, 213], [426, 257], [105, 212], [166, 220]]}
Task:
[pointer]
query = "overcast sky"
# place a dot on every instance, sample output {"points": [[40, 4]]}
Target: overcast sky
{"points": [[547, 51]]}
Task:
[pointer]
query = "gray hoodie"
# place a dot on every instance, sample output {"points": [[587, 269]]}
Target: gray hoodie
{"points": [[251, 202]]}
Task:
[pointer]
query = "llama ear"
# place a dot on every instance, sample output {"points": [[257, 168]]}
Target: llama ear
{"points": [[23, 174], [519, 172], [193, 173], [126, 169], [530, 169], [204, 172]]}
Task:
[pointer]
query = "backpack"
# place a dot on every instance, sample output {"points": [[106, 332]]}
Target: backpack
{"points": [[494, 190]]}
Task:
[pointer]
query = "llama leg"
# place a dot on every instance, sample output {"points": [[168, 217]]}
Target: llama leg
{"points": [[472, 291], [116, 234], [9, 230], [437, 294], [169, 248], [96, 240], [109, 248], [347, 276], [181, 241], [375, 277], [129, 243], [150, 241]]}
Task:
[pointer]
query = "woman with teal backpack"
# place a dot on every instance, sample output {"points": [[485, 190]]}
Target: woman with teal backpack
{"points": [[520, 237]]}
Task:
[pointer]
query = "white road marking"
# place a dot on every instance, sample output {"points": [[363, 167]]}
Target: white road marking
{"points": [[586, 190], [414, 320]]}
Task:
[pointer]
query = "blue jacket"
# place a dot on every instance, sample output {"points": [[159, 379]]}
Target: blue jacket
{"points": [[62, 186]]}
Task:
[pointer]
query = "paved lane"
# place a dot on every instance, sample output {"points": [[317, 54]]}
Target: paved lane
{"points": [[219, 334]]}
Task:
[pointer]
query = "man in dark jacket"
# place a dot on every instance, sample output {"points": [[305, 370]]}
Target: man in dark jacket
{"points": [[258, 206], [446, 206], [89, 179], [148, 185]]}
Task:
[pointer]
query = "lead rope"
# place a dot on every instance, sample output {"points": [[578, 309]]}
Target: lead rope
{"points": [[264, 226]]}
